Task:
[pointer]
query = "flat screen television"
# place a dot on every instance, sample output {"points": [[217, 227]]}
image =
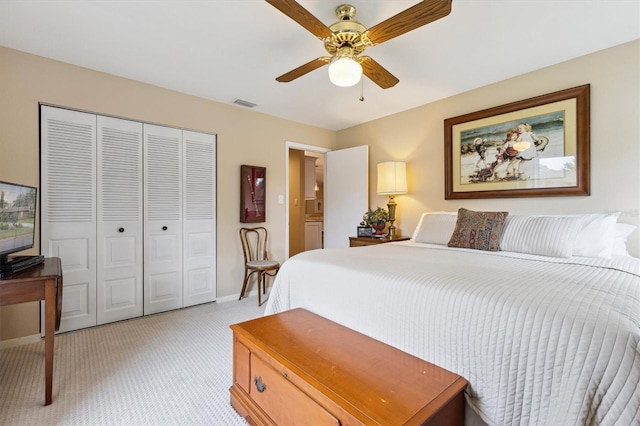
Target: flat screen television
{"points": [[17, 218]]}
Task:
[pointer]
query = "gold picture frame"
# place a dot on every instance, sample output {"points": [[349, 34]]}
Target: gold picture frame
{"points": [[538, 147]]}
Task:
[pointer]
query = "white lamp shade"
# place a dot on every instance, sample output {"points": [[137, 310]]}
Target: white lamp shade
{"points": [[345, 72], [392, 178]]}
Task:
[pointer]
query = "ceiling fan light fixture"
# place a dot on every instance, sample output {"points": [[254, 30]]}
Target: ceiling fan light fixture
{"points": [[345, 72]]}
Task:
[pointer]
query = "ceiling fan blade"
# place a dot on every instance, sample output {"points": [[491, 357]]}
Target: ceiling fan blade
{"points": [[302, 16], [304, 69], [416, 16], [377, 73]]}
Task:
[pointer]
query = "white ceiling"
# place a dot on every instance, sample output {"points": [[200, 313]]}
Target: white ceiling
{"points": [[229, 49]]}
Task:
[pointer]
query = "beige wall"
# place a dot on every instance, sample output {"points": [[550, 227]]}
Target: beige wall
{"points": [[417, 137], [26, 80]]}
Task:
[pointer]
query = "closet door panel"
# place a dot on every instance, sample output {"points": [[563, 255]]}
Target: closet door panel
{"points": [[78, 264], [162, 219], [199, 272], [120, 218], [68, 208], [199, 260]]}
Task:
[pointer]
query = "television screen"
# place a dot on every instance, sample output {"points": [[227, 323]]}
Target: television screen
{"points": [[17, 218]]}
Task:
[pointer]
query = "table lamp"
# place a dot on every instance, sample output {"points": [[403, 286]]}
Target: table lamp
{"points": [[392, 180]]}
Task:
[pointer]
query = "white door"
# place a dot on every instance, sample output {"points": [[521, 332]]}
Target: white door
{"points": [[346, 194], [199, 225], [68, 208], [119, 243], [162, 218]]}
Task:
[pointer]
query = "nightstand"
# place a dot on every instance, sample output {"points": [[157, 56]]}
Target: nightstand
{"points": [[369, 241]]}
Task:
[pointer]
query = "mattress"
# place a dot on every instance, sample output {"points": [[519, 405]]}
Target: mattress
{"points": [[541, 340]]}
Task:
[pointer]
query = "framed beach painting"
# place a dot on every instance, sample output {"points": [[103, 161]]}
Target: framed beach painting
{"points": [[253, 182], [538, 147]]}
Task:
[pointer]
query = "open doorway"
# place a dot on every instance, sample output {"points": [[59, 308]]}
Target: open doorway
{"points": [[344, 197], [305, 174]]}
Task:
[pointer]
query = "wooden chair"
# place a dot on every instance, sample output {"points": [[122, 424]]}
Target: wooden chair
{"points": [[254, 248]]}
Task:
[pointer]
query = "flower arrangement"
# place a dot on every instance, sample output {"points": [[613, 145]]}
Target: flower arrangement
{"points": [[379, 215]]}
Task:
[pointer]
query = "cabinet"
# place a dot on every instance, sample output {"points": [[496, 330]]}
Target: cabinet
{"points": [[299, 368], [122, 260], [313, 235]]}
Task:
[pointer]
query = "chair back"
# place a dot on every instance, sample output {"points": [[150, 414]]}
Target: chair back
{"points": [[254, 243]]}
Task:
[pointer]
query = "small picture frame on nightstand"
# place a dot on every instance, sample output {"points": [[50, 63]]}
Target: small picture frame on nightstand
{"points": [[365, 231]]}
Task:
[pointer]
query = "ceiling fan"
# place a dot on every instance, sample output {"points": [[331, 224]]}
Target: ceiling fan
{"points": [[347, 39]]}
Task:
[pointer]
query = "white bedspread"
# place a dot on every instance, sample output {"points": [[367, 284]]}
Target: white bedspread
{"points": [[542, 341]]}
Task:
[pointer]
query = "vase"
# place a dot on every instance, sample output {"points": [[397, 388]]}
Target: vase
{"points": [[378, 228]]}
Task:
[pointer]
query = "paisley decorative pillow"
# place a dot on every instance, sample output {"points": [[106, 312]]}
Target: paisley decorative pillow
{"points": [[478, 230]]}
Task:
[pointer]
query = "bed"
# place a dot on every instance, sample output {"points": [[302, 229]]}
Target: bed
{"points": [[542, 339]]}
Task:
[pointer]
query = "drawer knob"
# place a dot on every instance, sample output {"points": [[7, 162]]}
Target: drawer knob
{"points": [[120, 229], [260, 387]]}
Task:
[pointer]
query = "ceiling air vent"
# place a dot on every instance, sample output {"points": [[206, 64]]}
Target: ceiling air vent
{"points": [[244, 103]]}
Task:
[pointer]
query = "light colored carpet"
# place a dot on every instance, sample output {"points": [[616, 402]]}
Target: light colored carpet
{"points": [[164, 369]]}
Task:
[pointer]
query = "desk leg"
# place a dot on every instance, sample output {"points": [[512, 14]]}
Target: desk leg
{"points": [[50, 291]]}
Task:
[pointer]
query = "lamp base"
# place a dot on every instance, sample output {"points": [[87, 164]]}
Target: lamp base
{"points": [[391, 205], [392, 232]]}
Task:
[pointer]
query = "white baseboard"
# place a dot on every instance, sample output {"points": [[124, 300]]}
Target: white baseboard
{"points": [[6, 344], [235, 297]]}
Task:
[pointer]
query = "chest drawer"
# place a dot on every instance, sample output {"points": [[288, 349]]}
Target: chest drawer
{"points": [[283, 402]]}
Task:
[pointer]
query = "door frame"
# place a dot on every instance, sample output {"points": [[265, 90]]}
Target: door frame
{"points": [[300, 147]]}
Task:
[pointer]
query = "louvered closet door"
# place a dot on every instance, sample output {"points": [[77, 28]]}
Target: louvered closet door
{"points": [[162, 219], [119, 243], [199, 261], [68, 213]]}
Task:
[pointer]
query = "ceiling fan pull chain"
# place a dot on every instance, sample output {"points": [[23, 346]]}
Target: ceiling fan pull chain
{"points": [[361, 98]]}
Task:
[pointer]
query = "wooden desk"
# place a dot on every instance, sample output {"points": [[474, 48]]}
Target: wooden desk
{"points": [[42, 282]]}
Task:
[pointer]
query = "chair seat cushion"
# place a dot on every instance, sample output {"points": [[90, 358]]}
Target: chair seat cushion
{"points": [[263, 264]]}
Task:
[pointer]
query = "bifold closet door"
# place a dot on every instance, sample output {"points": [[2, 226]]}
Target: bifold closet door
{"points": [[119, 230], [199, 257], [130, 208], [162, 219], [68, 208]]}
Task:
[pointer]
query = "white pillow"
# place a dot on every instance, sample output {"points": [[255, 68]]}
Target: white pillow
{"points": [[595, 239], [542, 235], [415, 231], [623, 230], [435, 227]]}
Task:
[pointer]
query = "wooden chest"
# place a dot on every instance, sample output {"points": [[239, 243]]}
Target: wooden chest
{"points": [[297, 368]]}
